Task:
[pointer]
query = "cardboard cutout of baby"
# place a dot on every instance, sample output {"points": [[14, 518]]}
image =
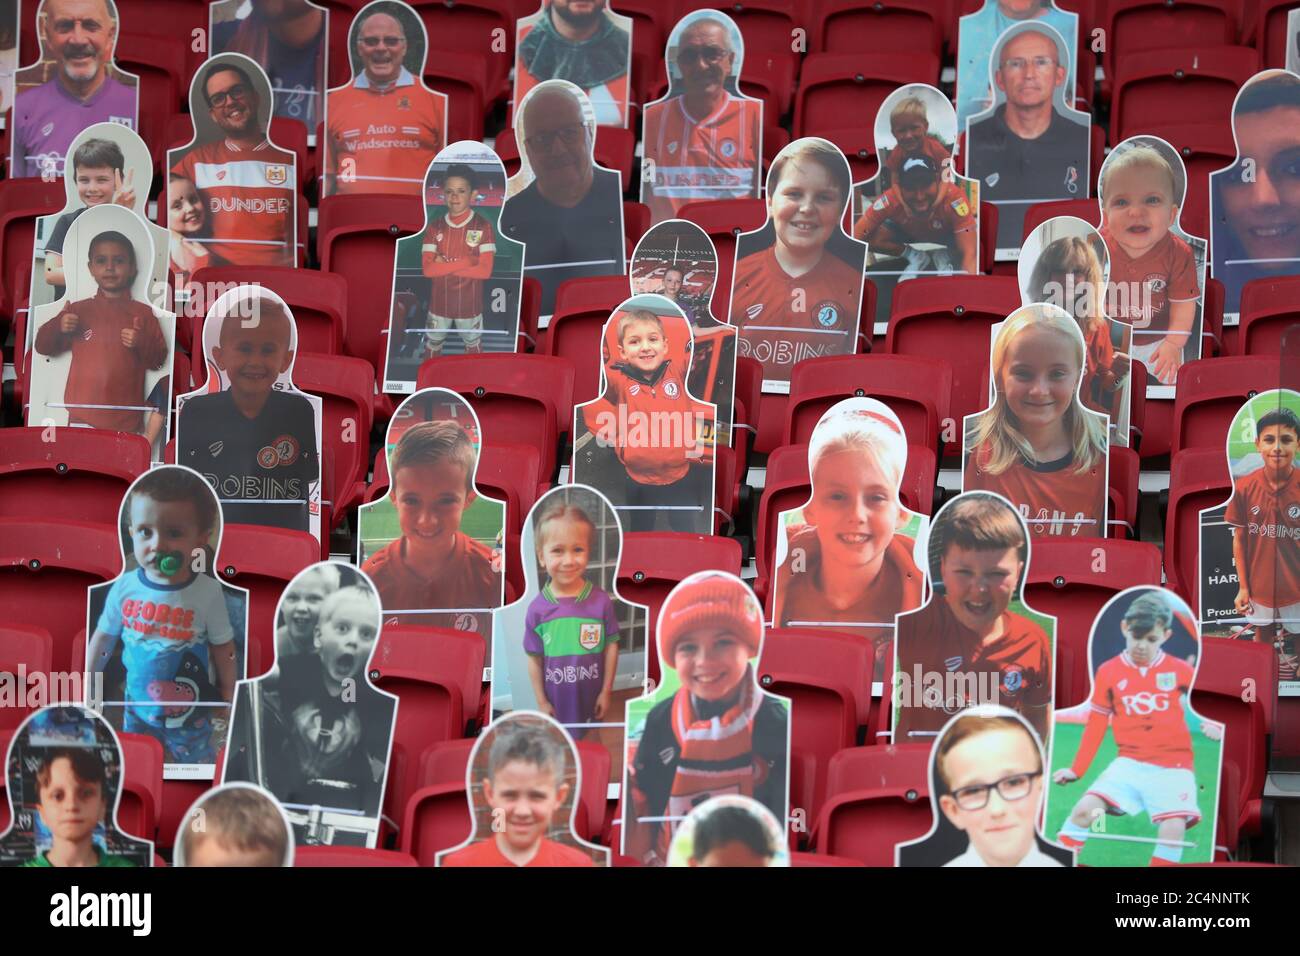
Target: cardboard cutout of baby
{"points": [[522, 783], [314, 731], [647, 443], [590, 48], [235, 824], [63, 772], [102, 354], [987, 782], [976, 642], [704, 138], [1147, 792], [677, 260], [708, 729], [1249, 559], [167, 635], [797, 284], [456, 286], [1036, 444], [1064, 263], [384, 127], [916, 215], [1030, 145], [247, 429], [433, 544], [848, 559], [731, 831]]}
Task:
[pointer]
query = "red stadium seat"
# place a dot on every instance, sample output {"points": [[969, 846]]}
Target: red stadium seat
{"points": [[836, 85], [1123, 484], [471, 25], [142, 784], [1204, 147], [876, 798], [444, 761], [317, 299], [1267, 31], [1150, 85], [263, 560], [636, 221], [464, 77], [724, 220], [575, 329], [1269, 308], [1086, 209], [858, 144], [350, 856], [1198, 479], [1142, 26], [530, 307], [346, 387], [21, 201], [162, 64], [436, 818], [29, 647], [81, 474], [1211, 391], [864, 26]]}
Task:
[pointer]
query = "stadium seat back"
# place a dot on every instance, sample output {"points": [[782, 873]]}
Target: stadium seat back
{"points": [[852, 26], [836, 85], [1269, 309], [1198, 479], [142, 782], [1210, 392], [1142, 26], [29, 647], [436, 819], [317, 299], [81, 475], [346, 387], [1150, 85], [724, 220]]}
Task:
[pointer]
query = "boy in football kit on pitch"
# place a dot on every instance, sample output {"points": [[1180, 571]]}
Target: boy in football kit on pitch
{"points": [[458, 252], [254, 443], [1140, 694]]}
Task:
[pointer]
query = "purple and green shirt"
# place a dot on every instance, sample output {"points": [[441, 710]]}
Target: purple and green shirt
{"points": [[571, 634]]}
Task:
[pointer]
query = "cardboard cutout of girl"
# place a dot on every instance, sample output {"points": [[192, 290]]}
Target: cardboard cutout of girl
{"points": [[731, 831], [1147, 792], [590, 48], [235, 824]]}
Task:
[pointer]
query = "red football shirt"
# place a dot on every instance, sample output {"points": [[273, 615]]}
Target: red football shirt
{"points": [[1166, 273], [799, 597], [1054, 499], [469, 581], [1145, 708], [1270, 520], [950, 214], [467, 249], [487, 853], [391, 135]]}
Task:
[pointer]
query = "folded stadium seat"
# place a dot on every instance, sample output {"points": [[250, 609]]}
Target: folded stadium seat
{"points": [[864, 26], [723, 220], [1142, 26], [1198, 479], [318, 301], [350, 856], [744, 426], [1270, 311], [1072, 579], [346, 386], [5, 737], [858, 144], [263, 560], [519, 399], [1211, 391], [1267, 32], [775, 139], [1086, 209], [921, 323], [876, 797], [726, 490], [836, 85], [142, 782], [471, 25], [464, 78], [988, 236], [1151, 85], [1204, 147], [636, 221], [81, 474], [530, 307], [29, 647], [1214, 338], [614, 149], [1125, 465], [916, 389], [1226, 666], [355, 237], [21, 201], [162, 64], [444, 761], [436, 818], [342, 13]]}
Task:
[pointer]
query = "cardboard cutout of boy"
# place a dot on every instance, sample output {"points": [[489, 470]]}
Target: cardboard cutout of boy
{"points": [[167, 635], [647, 443], [585, 43], [10, 30], [916, 215], [522, 784], [976, 642], [457, 285], [988, 777], [708, 728], [848, 559], [797, 284], [731, 831], [1147, 792], [677, 260], [314, 731], [704, 138], [102, 354], [1064, 263], [1030, 145], [1255, 202], [1036, 444], [433, 544], [1249, 558], [235, 824], [384, 127], [74, 84], [247, 429], [63, 771]]}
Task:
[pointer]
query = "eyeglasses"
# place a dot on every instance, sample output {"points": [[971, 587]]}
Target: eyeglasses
{"points": [[568, 135], [1020, 63], [239, 91], [1014, 787], [706, 54], [391, 42]]}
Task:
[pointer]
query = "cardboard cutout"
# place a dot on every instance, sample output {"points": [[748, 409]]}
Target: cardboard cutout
{"points": [[102, 355], [1293, 44], [703, 138], [1036, 444], [591, 49], [385, 126], [1157, 271], [977, 35], [708, 728], [1064, 263], [565, 206], [1249, 559], [235, 824], [529, 753], [1254, 204], [63, 771], [677, 260], [1031, 145], [73, 85], [978, 752], [247, 429], [10, 29], [1147, 792], [916, 215], [797, 282], [433, 544], [647, 443], [290, 41], [571, 647], [314, 731], [848, 560], [168, 635], [976, 641], [729, 831], [456, 286]]}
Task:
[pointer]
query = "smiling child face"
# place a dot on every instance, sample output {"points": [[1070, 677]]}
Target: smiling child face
{"points": [[1040, 376], [805, 206], [253, 357], [1139, 207], [710, 663], [643, 345], [854, 508], [1276, 444], [979, 584], [525, 797]]}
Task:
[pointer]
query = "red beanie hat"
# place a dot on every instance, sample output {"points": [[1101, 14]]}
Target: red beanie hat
{"points": [[710, 599]]}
